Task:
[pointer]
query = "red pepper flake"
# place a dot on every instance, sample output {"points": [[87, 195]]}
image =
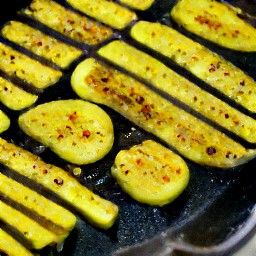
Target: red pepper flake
{"points": [[58, 181], [178, 171], [73, 116], [242, 83], [203, 20], [60, 137], [212, 68], [126, 172], [105, 79], [166, 178], [226, 74], [227, 116], [211, 151], [45, 171], [139, 161], [86, 133], [140, 99]]}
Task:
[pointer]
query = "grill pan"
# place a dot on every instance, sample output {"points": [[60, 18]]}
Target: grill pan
{"points": [[215, 215]]}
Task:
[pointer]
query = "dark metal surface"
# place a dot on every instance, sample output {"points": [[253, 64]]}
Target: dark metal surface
{"points": [[214, 216]]}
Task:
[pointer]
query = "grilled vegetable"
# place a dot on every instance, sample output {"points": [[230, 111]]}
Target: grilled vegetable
{"points": [[216, 22], [17, 64], [193, 138], [77, 131], [54, 217], [199, 60], [105, 11], [38, 236], [138, 4], [11, 247], [71, 24], [167, 80], [95, 209], [39, 43], [14, 97], [4, 121], [151, 173]]}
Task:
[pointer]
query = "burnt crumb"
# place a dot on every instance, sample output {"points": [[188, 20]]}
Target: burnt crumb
{"points": [[211, 151], [58, 181]]}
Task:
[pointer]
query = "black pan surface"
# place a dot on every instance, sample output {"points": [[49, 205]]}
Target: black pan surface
{"points": [[214, 216]]}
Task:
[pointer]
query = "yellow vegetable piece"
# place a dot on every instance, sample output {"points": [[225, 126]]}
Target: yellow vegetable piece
{"points": [[105, 11], [38, 236], [203, 63], [151, 173], [62, 221], [138, 4], [216, 22], [177, 86], [78, 131], [98, 211], [11, 247], [17, 64], [71, 24], [41, 44], [14, 97], [4, 121], [193, 138]]}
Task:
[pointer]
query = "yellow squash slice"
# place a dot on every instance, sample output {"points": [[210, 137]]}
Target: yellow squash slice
{"points": [[98, 211], [151, 173], [138, 4], [38, 236], [17, 64], [55, 218], [71, 24], [178, 87], [193, 138], [216, 22], [11, 247], [203, 63], [41, 44], [14, 97], [4, 121], [78, 131], [105, 11]]}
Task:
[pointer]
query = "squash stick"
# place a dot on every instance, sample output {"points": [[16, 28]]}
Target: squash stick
{"points": [[162, 77], [216, 22], [192, 137], [203, 63], [98, 211], [11, 247], [63, 220], [38, 236]]}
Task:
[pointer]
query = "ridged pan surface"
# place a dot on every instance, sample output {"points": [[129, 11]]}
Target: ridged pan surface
{"points": [[213, 216]]}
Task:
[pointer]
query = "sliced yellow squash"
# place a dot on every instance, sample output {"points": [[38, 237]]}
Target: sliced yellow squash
{"points": [[151, 173], [12, 247], [14, 97], [71, 24], [193, 138], [61, 220], [138, 4], [177, 86], [4, 121], [203, 63], [217, 22], [107, 12], [78, 131], [98, 211], [38, 236], [15, 63], [41, 44]]}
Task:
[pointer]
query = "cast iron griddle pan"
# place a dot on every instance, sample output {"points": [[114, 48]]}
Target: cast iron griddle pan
{"points": [[214, 216]]}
